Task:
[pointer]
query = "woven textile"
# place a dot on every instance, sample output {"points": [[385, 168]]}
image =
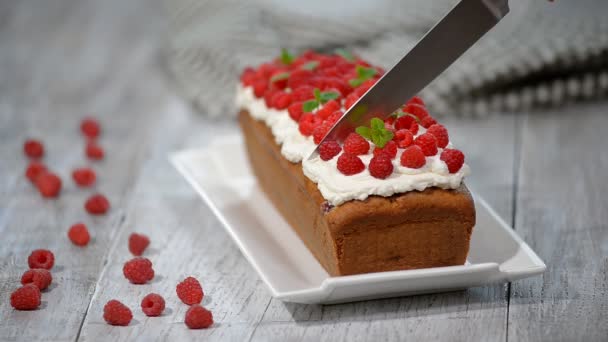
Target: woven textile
{"points": [[541, 54]]}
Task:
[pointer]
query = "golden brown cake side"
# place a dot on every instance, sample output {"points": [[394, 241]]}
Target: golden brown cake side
{"points": [[430, 228]]}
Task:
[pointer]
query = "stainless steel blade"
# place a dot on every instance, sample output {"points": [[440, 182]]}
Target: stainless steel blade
{"points": [[468, 21]]}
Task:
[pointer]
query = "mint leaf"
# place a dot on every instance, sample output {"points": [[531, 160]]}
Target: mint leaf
{"points": [[286, 57], [365, 132], [377, 124], [328, 95], [280, 77], [355, 82], [377, 132], [365, 73], [317, 94], [310, 105], [346, 55], [310, 65]]}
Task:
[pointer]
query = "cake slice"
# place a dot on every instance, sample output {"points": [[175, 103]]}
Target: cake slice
{"points": [[403, 210]]}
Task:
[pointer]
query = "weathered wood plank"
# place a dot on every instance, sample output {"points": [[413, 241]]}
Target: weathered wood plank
{"points": [[562, 213]]}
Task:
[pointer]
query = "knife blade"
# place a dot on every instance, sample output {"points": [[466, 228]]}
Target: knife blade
{"points": [[468, 21]]}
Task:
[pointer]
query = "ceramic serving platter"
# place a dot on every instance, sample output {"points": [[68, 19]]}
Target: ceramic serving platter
{"points": [[226, 184]]}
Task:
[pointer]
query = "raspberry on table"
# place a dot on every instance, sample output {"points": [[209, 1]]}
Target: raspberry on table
{"points": [[440, 133], [153, 304], [404, 138], [190, 291], [308, 123], [84, 176], [39, 277], [97, 204], [413, 157], [356, 144], [79, 234], [33, 148], [380, 166], [94, 151], [453, 158], [34, 169], [197, 317], [138, 243], [26, 297], [48, 184], [138, 270], [329, 149], [350, 164], [295, 110], [116, 313], [41, 258], [428, 144], [390, 150], [90, 127]]}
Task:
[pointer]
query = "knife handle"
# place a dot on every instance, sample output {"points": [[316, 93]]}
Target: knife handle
{"points": [[499, 8]]}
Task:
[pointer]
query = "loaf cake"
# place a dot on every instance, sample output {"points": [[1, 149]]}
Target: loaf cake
{"points": [[390, 197]]}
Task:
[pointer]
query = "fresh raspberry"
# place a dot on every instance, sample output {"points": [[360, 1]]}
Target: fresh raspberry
{"points": [[413, 157], [281, 100], [138, 243], [296, 110], [334, 117], [38, 277], [427, 121], [308, 123], [34, 169], [441, 133], [153, 305], [116, 313], [26, 298], [404, 138], [364, 87], [197, 317], [350, 164], [390, 150], [84, 176], [303, 93], [329, 149], [97, 204], [138, 270], [190, 291], [428, 144], [416, 100], [350, 100], [41, 258], [389, 122], [320, 131], [79, 234], [415, 109], [279, 83], [328, 109], [48, 184], [356, 144], [94, 151], [33, 148], [90, 127], [453, 159], [381, 166], [248, 77], [259, 87], [299, 77], [407, 122]]}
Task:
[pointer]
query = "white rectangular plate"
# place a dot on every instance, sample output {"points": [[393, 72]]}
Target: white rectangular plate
{"points": [[221, 174]]}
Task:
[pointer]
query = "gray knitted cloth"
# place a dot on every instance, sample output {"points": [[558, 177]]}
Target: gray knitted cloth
{"points": [[541, 54]]}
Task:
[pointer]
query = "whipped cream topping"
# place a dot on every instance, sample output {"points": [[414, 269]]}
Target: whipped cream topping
{"points": [[336, 187]]}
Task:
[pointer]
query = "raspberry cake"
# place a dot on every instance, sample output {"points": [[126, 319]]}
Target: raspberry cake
{"points": [[391, 197]]}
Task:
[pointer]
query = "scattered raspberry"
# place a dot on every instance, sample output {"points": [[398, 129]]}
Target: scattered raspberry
{"points": [[308, 123], [84, 176], [320, 131], [153, 305], [94, 151], [34, 169], [413, 157], [390, 150], [407, 122], [48, 184], [90, 127], [329, 149], [381, 166], [428, 144], [427, 121], [41, 258], [138, 243], [356, 144], [350, 164], [416, 100], [295, 110], [138, 270], [38, 277], [97, 204], [441, 133], [453, 159], [116, 313], [190, 291], [26, 298], [328, 109], [404, 138], [33, 148], [79, 234], [197, 317]]}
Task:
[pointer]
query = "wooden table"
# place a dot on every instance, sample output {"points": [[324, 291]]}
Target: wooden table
{"points": [[546, 173]]}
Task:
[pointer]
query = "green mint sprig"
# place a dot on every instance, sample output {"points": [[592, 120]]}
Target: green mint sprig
{"points": [[346, 55], [286, 57], [363, 74], [279, 77], [377, 133], [320, 98], [399, 113], [312, 65]]}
